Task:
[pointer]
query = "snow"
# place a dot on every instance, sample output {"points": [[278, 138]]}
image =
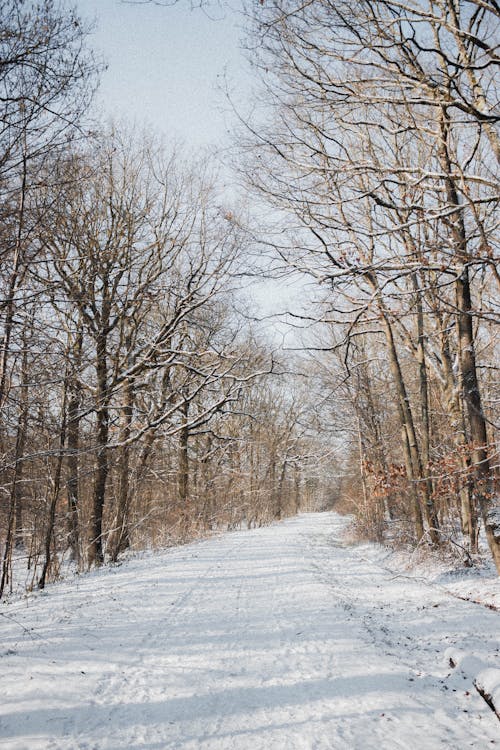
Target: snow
{"points": [[281, 638], [485, 679], [493, 520], [488, 684]]}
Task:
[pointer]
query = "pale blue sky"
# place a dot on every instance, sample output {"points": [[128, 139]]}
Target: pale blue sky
{"points": [[165, 64]]}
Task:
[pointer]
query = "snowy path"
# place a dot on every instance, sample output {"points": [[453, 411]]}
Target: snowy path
{"points": [[274, 638]]}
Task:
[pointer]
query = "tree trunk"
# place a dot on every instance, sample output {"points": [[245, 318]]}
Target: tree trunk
{"points": [[13, 284], [279, 491], [183, 467], [429, 509], [454, 404], [296, 486], [15, 510], [73, 446], [275, 508], [23, 417], [409, 439], [96, 553], [121, 540], [482, 489], [49, 534], [362, 469], [467, 358]]}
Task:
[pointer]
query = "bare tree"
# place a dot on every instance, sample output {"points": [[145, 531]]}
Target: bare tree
{"points": [[47, 78], [380, 148]]}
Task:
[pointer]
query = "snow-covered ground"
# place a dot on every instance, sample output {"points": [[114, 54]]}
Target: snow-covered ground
{"points": [[283, 637]]}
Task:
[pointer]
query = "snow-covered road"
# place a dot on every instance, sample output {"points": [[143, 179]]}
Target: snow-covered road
{"points": [[281, 637]]}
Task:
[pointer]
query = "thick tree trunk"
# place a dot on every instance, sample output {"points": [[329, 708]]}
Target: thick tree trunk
{"points": [[120, 538], [96, 552], [482, 489], [454, 404], [467, 357]]}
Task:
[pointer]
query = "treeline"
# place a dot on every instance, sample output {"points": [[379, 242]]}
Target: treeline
{"points": [[137, 406], [378, 145]]}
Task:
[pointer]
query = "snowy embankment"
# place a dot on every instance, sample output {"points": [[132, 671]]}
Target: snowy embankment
{"points": [[282, 637]]}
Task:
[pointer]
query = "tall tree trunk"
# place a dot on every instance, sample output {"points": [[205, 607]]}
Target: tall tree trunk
{"points": [[429, 509], [482, 489], [275, 509], [96, 552], [362, 467], [49, 533], [15, 510], [73, 446], [120, 538], [454, 404], [183, 466], [409, 438], [372, 418], [15, 276], [23, 421], [279, 490], [410, 447], [252, 499], [296, 487], [207, 484], [467, 357]]}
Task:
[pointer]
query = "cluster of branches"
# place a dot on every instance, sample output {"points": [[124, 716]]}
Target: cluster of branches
{"points": [[380, 151], [135, 407]]}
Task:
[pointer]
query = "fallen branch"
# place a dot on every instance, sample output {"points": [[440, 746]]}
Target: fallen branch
{"points": [[487, 684]]}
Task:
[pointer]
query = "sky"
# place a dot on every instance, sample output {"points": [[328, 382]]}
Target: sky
{"points": [[166, 69], [166, 66]]}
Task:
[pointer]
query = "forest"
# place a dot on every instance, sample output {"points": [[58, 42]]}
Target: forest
{"points": [[142, 404]]}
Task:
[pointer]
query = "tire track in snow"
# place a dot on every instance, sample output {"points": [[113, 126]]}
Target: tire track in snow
{"points": [[143, 676], [264, 640]]}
